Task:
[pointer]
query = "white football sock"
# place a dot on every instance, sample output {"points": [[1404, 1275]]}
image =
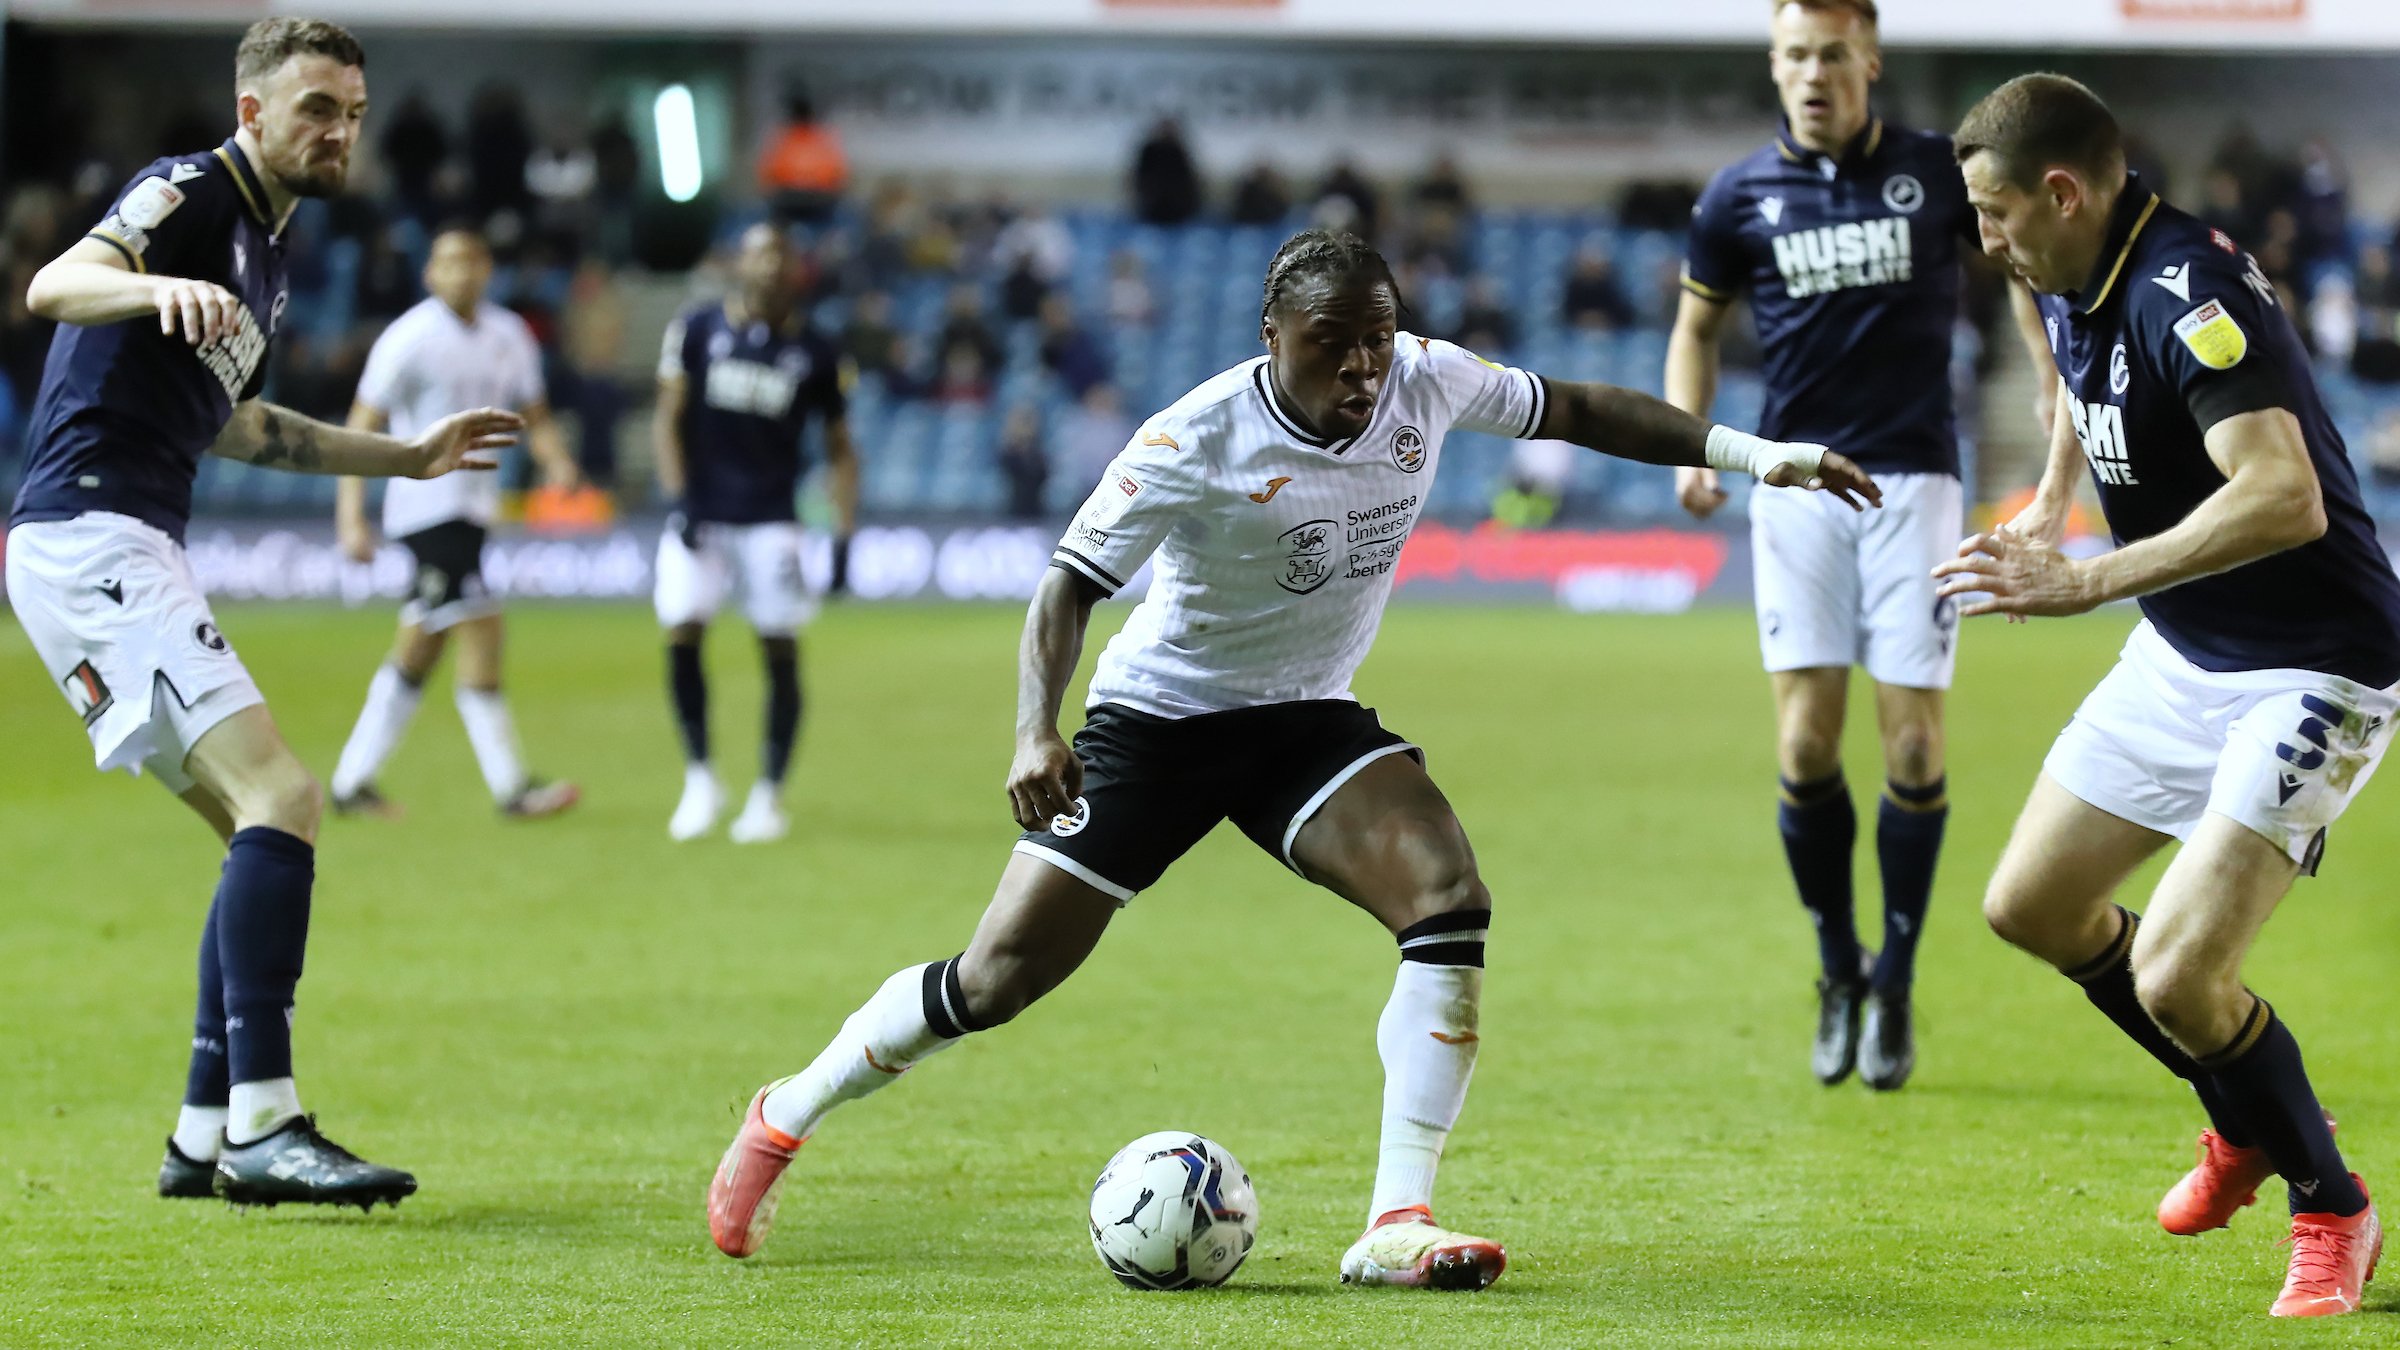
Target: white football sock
{"points": [[493, 733], [1427, 1038], [197, 1131], [256, 1110], [876, 1045], [391, 704]]}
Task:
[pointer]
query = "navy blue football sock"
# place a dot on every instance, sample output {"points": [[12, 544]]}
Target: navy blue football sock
{"points": [[783, 706], [2107, 980], [2261, 1074], [688, 684], [262, 939], [206, 1084], [1908, 838], [1819, 830]]}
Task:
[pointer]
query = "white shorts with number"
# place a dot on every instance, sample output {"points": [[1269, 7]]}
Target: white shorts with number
{"points": [[761, 561], [115, 612], [2160, 742], [1838, 587]]}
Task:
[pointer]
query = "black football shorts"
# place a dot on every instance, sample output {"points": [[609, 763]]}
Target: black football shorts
{"points": [[1153, 786], [448, 588]]}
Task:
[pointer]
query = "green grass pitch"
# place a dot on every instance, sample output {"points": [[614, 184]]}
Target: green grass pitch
{"points": [[556, 1024]]}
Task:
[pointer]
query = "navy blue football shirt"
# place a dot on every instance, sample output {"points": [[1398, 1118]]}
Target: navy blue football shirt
{"points": [[749, 390], [1851, 264], [2175, 331], [124, 412]]}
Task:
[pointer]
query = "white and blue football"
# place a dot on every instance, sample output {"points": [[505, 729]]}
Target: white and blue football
{"points": [[1173, 1211]]}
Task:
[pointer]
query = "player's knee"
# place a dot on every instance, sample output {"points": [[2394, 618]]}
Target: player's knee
{"points": [[1442, 875], [291, 801], [1913, 755], [998, 985], [685, 634], [2011, 915], [1808, 752], [2182, 995]]}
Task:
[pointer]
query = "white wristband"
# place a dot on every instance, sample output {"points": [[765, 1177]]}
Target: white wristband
{"points": [[1742, 452]]}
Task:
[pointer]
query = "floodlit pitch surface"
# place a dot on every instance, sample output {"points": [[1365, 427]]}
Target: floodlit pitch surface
{"points": [[556, 1025]]}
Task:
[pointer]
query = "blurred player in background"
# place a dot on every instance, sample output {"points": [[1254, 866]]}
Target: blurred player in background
{"points": [[453, 351], [165, 312], [1846, 236], [2252, 702], [737, 384], [1277, 497]]}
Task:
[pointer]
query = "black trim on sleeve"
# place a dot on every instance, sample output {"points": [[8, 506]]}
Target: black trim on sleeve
{"points": [[1541, 405], [2252, 386], [1087, 569]]}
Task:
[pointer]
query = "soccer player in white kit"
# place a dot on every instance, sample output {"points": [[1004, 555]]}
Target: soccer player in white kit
{"points": [[1276, 497], [454, 350]]}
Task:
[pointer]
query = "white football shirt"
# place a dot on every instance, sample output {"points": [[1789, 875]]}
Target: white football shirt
{"points": [[429, 364], [1275, 549]]}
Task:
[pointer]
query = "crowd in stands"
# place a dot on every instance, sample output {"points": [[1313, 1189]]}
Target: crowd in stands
{"points": [[1005, 349]]}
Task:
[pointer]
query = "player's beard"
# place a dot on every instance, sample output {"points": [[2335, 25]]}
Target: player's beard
{"points": [[319, 180]]}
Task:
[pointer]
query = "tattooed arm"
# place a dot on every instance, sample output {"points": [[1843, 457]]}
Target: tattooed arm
{"points": [[277, 438]]}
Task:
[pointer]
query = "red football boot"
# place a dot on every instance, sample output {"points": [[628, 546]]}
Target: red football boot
{"points": [[742, 1198]]}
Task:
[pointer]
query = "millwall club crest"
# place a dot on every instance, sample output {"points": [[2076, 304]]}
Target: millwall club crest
{"points": [[1408, 449], [2120, 374], [1903, 193]]}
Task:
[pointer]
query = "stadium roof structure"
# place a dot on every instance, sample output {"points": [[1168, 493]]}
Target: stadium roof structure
{"points": [[2186, 25]]}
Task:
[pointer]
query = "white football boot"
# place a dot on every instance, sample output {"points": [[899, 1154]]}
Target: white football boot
{"points": [[702, 801], [762, 820], [1406, 1247]]}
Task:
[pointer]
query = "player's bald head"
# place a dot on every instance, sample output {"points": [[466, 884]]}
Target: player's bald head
{"points": [[2036, 123]]}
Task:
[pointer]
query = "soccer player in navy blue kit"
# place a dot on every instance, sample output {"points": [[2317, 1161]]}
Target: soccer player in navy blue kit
{"points": [[2252, 702], [165, 312], [738, 382], [1846, 234]]}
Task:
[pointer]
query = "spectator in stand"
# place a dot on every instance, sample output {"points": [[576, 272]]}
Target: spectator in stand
{"points": [[387, 284], [1130, 304], [1345, 185], [1442, 185], [1033, 254], [1023, 463], [803, 172], [2323, 205], [498, 146], [1594, 300], [873, 346], [1068, 350], [2224, 205], [1484, 324], [1261, 198], [560, 178], [1166, 185], [592, 341], [616, 175], [414, 145], [963, 327], [1089, 437], [963, 376], [28, 239]]}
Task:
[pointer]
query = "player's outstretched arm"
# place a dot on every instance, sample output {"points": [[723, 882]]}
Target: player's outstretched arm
{"points": [[549, 447], [277, 438], [1632, 425], [350, 526], [90, 284], [1045, 778], [1694, 355], [2271, 501]]}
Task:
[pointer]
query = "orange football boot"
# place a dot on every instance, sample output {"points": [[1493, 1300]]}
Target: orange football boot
{"points": [[2332, 1260], [742, 1197], [2207, 1197]]}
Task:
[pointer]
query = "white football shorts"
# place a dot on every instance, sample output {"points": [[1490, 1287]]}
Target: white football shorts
{"points": [[115, 611], [2160, 742], [761, 562], [1837, 587]]}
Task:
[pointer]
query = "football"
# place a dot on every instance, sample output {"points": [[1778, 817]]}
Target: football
{"points": [[1173, 1211]]}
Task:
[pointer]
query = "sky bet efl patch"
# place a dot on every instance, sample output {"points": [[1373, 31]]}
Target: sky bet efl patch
{"points": [[2213, 336]]}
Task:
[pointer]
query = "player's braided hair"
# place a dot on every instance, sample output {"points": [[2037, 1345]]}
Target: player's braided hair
{"points": [[271, 42], [1337, 256]]}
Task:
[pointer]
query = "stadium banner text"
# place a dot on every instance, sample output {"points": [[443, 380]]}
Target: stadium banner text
{"points": [[2047, 24]]}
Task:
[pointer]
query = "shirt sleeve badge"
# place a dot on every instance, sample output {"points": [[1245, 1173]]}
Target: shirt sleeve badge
{"points": [[2214, 338]]}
